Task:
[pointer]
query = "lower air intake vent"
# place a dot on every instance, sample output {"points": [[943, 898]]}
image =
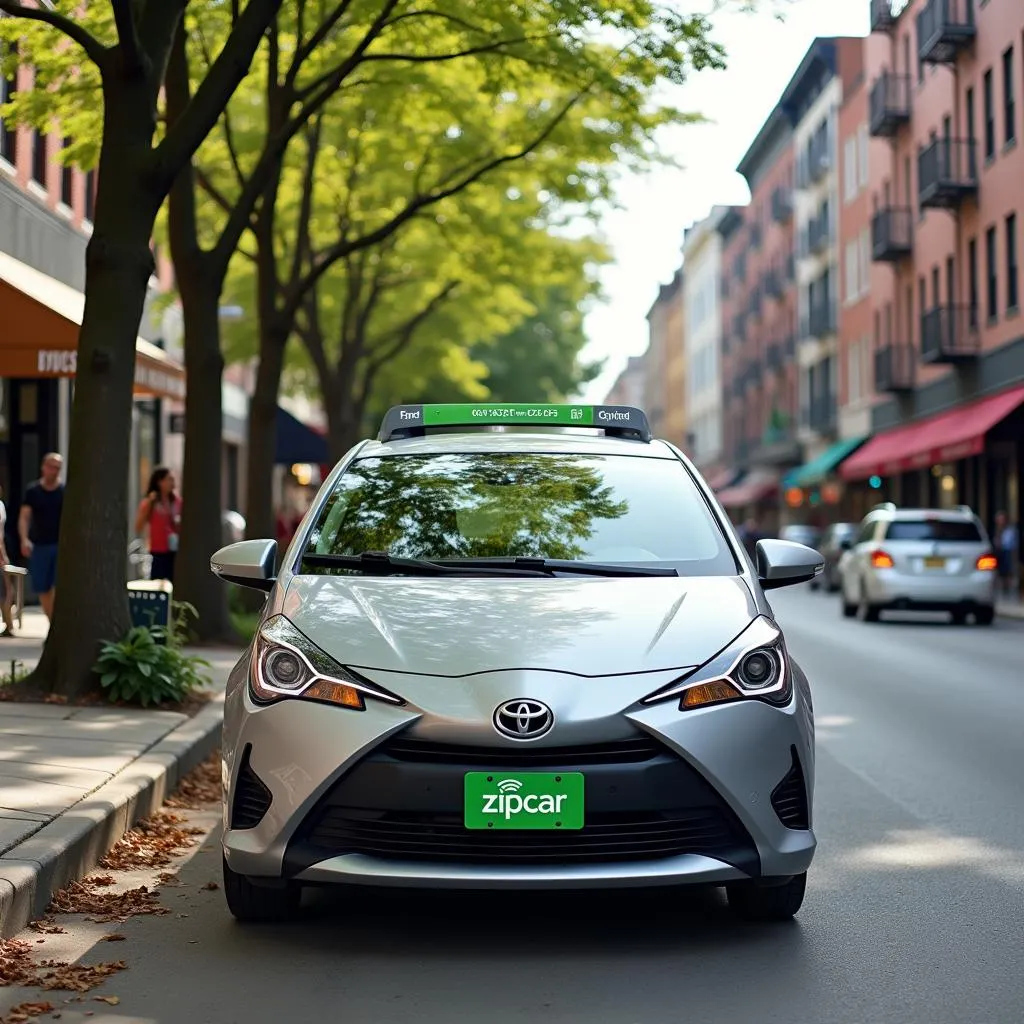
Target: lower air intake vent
{"points": [[252, 798], [789, 798]]}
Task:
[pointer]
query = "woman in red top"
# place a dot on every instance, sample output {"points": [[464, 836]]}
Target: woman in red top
{"points": [[160, 510]]}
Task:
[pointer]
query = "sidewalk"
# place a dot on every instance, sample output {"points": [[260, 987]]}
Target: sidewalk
{"points": [[73, 780], [1010, 609]]}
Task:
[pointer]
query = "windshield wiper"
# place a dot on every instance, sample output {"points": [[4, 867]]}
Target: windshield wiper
{"points": [[380, 563], [550, 565]]}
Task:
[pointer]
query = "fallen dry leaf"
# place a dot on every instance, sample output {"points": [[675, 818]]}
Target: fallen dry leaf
{"points": [[200, 788], [100, 881], [168, 878], [104, 907], [26, 1011], [109, 1000], [47, 926], [153, 843], [211, 886], [64, 977], [113, 937]]}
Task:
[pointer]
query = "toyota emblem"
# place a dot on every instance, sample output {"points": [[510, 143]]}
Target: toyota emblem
{"points": [[523, 719]]}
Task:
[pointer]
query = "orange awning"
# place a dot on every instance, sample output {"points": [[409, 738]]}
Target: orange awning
{"points": [[39, 323], [757, 485]]}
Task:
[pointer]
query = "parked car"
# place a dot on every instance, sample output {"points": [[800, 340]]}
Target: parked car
{"points": [[799, 533], [529, 660], [834, 541], [920, 559]]}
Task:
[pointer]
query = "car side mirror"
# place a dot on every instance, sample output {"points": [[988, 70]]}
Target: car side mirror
{"points": [[249, 563], [783, 563]]}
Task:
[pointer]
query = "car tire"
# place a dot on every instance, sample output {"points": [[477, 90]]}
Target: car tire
{"points": [[753, 902], [866, 611], [849, 610], [985, 616], [259, 903], [959, 618]]}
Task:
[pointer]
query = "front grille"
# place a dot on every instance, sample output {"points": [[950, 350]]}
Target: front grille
{"points": [[252, 798], [418, 751], [789, 798], [609, 838]]}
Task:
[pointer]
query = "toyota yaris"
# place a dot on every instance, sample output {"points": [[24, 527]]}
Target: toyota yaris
{"points": [[517, 647]]}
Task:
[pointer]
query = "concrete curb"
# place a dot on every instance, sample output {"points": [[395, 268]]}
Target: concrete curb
{"points": [[71, 845]]}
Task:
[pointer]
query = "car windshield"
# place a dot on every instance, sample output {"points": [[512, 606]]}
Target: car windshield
{"points": [[595, 508], [950, 530]]}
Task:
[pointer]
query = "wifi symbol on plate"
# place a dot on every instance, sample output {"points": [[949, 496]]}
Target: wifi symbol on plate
{"points": [[510, 785]]}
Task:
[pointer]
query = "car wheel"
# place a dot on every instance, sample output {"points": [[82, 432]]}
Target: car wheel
{"points": [[959, 618], [866, 611], [985, 616], [849, 610], [754, 902], [259, 903]]}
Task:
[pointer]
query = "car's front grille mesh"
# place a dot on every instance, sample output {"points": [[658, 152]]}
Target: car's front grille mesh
{"points": [[605, 838], [252, 798], [789, 798], [627, 751]]}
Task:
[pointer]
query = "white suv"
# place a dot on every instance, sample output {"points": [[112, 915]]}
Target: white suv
{"points": [[916, 559]]}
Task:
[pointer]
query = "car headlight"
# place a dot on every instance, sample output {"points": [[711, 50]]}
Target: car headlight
{"points": [[287, 664], [753, 666]]}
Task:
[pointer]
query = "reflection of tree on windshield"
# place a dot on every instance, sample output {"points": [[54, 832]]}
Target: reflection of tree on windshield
{"points": [[467, 506]]}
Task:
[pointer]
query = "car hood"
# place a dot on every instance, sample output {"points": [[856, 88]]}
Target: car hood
{"points": [[456, 627]]}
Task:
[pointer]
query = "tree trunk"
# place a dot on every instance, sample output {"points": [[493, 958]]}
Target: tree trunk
{"points": [[201, 528], [262, 440], [91, 604]]}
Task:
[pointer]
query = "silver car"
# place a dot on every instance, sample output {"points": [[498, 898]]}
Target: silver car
{"points": [[515, 658], [915, 559]]}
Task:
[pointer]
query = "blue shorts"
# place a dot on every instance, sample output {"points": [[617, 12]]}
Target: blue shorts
{"points": [[42, 567]]}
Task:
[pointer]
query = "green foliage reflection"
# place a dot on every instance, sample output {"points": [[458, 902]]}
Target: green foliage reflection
{"points": [[467, 506]]}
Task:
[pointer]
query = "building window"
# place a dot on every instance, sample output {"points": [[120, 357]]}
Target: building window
{"points": [[992, 309], [850, 168], [39, 157], [850, 277], [1009, 103], [1012, 298], [865, 261], [990, 116], [90, 195], [66, 180], [864, 153], [972, 279]]}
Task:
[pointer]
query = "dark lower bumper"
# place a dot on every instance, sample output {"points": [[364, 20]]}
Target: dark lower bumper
{"points": [[404, 802]]}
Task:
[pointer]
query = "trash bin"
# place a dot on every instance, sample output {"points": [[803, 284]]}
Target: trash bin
{"points": [[149, 602]]}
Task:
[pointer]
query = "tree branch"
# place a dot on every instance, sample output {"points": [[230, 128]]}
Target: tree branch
{"points": [[302, 237], [96, 51], [305, 49], [332, 254], [403, 334], [440, 58], [128, 38], [218, 86]]}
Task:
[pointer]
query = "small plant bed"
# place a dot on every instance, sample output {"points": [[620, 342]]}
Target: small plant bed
{"points": [[147, 668]]}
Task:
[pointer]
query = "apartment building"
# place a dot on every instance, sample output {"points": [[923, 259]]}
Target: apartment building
{"points": [[947, 226], [664, 388], [702, 261], [628, 388]]}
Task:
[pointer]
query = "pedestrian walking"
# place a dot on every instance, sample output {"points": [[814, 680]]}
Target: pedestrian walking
{"points": [[1007, 544], [39, 529], [160, 515], [6, 596]]}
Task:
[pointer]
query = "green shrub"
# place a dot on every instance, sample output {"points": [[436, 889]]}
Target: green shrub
{"points": [[149, 666]]}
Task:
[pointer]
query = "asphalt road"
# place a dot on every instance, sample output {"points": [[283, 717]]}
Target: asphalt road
{"points": [[913, 914]]}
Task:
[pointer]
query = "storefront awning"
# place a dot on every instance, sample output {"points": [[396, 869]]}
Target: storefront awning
{"points": [[757, 485], [721, 479], [39, 334], [957, 434], [298, 443], [817, 470]]}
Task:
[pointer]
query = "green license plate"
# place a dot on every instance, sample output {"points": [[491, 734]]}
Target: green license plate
{"points": [[524, 800]]}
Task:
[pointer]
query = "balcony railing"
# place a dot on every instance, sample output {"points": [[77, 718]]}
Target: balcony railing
{"points": [[821, 323], [894, 368], [774, 357], [822, 414], [889, 104], [819, 230], [782, 205], [882, 18], [947, 173], [949, 334], [892, 234], [944, 29]]}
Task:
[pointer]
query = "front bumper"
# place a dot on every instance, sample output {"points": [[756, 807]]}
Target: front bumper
{"points": [[672, 797], [891, 589]]}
